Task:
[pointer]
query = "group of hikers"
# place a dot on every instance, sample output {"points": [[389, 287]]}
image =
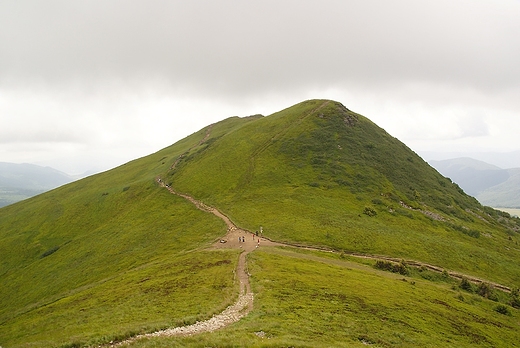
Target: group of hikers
{"points": [[242, 239]]}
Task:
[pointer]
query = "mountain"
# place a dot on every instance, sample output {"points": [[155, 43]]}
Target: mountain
{"points": [[504, 195], [117, 254], [20, 181], [500, 159], [491, 185]]}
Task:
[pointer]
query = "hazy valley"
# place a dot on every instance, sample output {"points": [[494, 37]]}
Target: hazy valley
{"points": [[491, 185]]}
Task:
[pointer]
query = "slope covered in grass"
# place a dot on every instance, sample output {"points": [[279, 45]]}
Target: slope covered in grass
{"points": [[318, 300], [315, 172], [109, 255]]}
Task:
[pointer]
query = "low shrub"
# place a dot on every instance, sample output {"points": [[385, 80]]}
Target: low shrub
{"points": [[515, 298], [502, 310], [392, 267], [472, 233], [377, 201], [466, 285], [487, 291], [369, 211]]}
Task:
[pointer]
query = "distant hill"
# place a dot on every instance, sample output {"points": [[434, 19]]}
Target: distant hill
{"points": [[21, 181], [491, 185], [499, 159], [504, 195], [117, 254]]}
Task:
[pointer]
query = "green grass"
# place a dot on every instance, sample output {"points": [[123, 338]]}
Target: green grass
{"points": [[115, 254], [73, 259], [156, 295], [317, 300]]}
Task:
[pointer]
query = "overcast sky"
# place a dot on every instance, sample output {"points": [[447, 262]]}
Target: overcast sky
{"points": [[93, 84]]}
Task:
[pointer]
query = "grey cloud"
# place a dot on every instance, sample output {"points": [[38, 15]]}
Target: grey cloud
{"points": [[229, 47], [43, 135], [92, 74]]}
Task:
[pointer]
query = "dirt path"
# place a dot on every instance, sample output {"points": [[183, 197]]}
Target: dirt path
{"points": [[250, 243], [206, 136], [235, 238], [231, 314]]}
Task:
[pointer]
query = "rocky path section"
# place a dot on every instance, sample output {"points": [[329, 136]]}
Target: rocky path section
{"points": [[231, 314], [244, 303]]}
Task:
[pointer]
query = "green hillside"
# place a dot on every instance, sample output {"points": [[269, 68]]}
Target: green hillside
{"points": [[116, 254], [107, 256], [308, 173]]}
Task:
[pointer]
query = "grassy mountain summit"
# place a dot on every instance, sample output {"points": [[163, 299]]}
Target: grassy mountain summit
{"points": [[319, 174], [116, 254]]}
